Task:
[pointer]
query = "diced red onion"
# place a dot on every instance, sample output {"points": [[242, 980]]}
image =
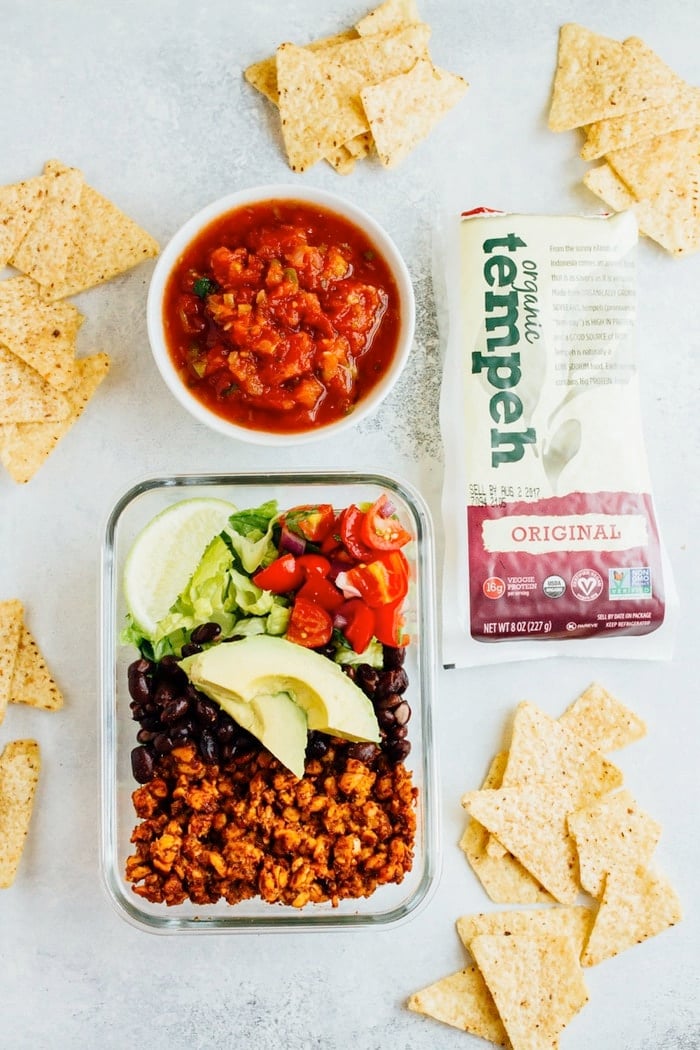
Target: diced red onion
{"points": [[348, 589], [289, 541]]}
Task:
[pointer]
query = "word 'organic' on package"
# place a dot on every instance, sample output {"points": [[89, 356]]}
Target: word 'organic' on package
{"points": [[551, 530]]}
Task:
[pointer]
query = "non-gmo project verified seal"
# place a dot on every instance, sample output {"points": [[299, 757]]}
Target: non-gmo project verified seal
{"points": [[629, 583]]}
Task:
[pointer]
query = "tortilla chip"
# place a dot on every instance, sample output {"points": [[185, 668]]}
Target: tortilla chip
{"points": [[463, 1001], [42, 334], [19, 774], [636, 905], [19, 205], [24, 447], [403, 109], [32, 683], [597, 78], [370, 60], [612, 834], [671, 218], [543, 750], [43, 252], [105, 243], [393, 14], [503, 877], [574, 922], [530, 822], [316, 118], [11, 616], [263, 75], [600, 720], [647, 167], [26, 397], [536, 983], [620, 132]]}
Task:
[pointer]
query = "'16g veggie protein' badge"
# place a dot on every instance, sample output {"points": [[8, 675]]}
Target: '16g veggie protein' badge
{"points": [[548, 486]]}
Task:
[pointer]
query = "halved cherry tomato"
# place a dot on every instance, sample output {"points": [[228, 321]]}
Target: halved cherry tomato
{"points": [[280, 576], [383, 580], [351, 533], [309, 624], [313, 521], [359, 623], [380, 529], [313, 565], [389, 623], [322, 592]]}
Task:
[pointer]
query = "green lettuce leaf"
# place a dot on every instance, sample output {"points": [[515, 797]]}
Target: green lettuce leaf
{"points": [[249, 533], [207, 598]]}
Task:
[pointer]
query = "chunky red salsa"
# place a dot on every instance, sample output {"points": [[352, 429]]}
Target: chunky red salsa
{"points": [[281, 316]]}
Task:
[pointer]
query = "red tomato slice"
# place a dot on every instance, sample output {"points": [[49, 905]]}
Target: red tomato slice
{"points": [[359, 626], [351, 533], [313, 565], [383, 580], [314, 522], [280, 576], [381, 530], [388, 624], [309, 624], [321, 591]]}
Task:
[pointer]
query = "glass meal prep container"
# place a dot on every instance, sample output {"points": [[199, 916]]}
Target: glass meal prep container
{"points": [[388, 904]]}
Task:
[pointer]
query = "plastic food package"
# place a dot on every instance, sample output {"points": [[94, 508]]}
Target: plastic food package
{"points": [[551, 540]]}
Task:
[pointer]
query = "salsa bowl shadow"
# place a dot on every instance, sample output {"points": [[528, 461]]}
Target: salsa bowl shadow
{"points": [[171, 257]]}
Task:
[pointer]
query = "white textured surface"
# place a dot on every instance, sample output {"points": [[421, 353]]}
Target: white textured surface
{"points": [[148, 98]]}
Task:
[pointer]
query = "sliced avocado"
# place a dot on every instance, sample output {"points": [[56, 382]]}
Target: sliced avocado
{"points": [[273, 719], [264, 665]]}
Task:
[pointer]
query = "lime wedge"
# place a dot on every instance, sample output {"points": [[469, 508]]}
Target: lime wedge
{"points": [[165, 554]]}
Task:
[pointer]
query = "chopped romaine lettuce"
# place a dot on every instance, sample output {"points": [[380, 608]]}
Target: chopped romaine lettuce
{"points": [[249, 533], [373, 654], [207, 598]]}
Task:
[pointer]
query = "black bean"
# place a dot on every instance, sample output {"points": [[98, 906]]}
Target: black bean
{"points": [[142, 764], [144, 736], [395, 681], [175, 709], [151, 722], [386, 718], [393, 657], [165, 692], [402, 713], [226, 730], [163, 743], [317, 745], [367, 678], [399, 732], [180, 731], [398, 750], [387, 702], [140, 666], [363, 751], [206, 711], [208, 747], [170, 669], [139, 686], [190, 648], [206, 632], [137, 711]]}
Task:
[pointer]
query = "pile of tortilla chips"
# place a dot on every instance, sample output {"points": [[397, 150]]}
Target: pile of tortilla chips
{"points": [[550, 822], [373, 85], [643, 121], [24, 679], [64, 238]]}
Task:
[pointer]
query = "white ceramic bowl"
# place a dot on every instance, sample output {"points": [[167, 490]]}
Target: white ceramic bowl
{"points": [[190, 230]]}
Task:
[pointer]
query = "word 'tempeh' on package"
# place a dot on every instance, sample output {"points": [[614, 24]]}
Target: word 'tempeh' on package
{"points": [[552, 545]]}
